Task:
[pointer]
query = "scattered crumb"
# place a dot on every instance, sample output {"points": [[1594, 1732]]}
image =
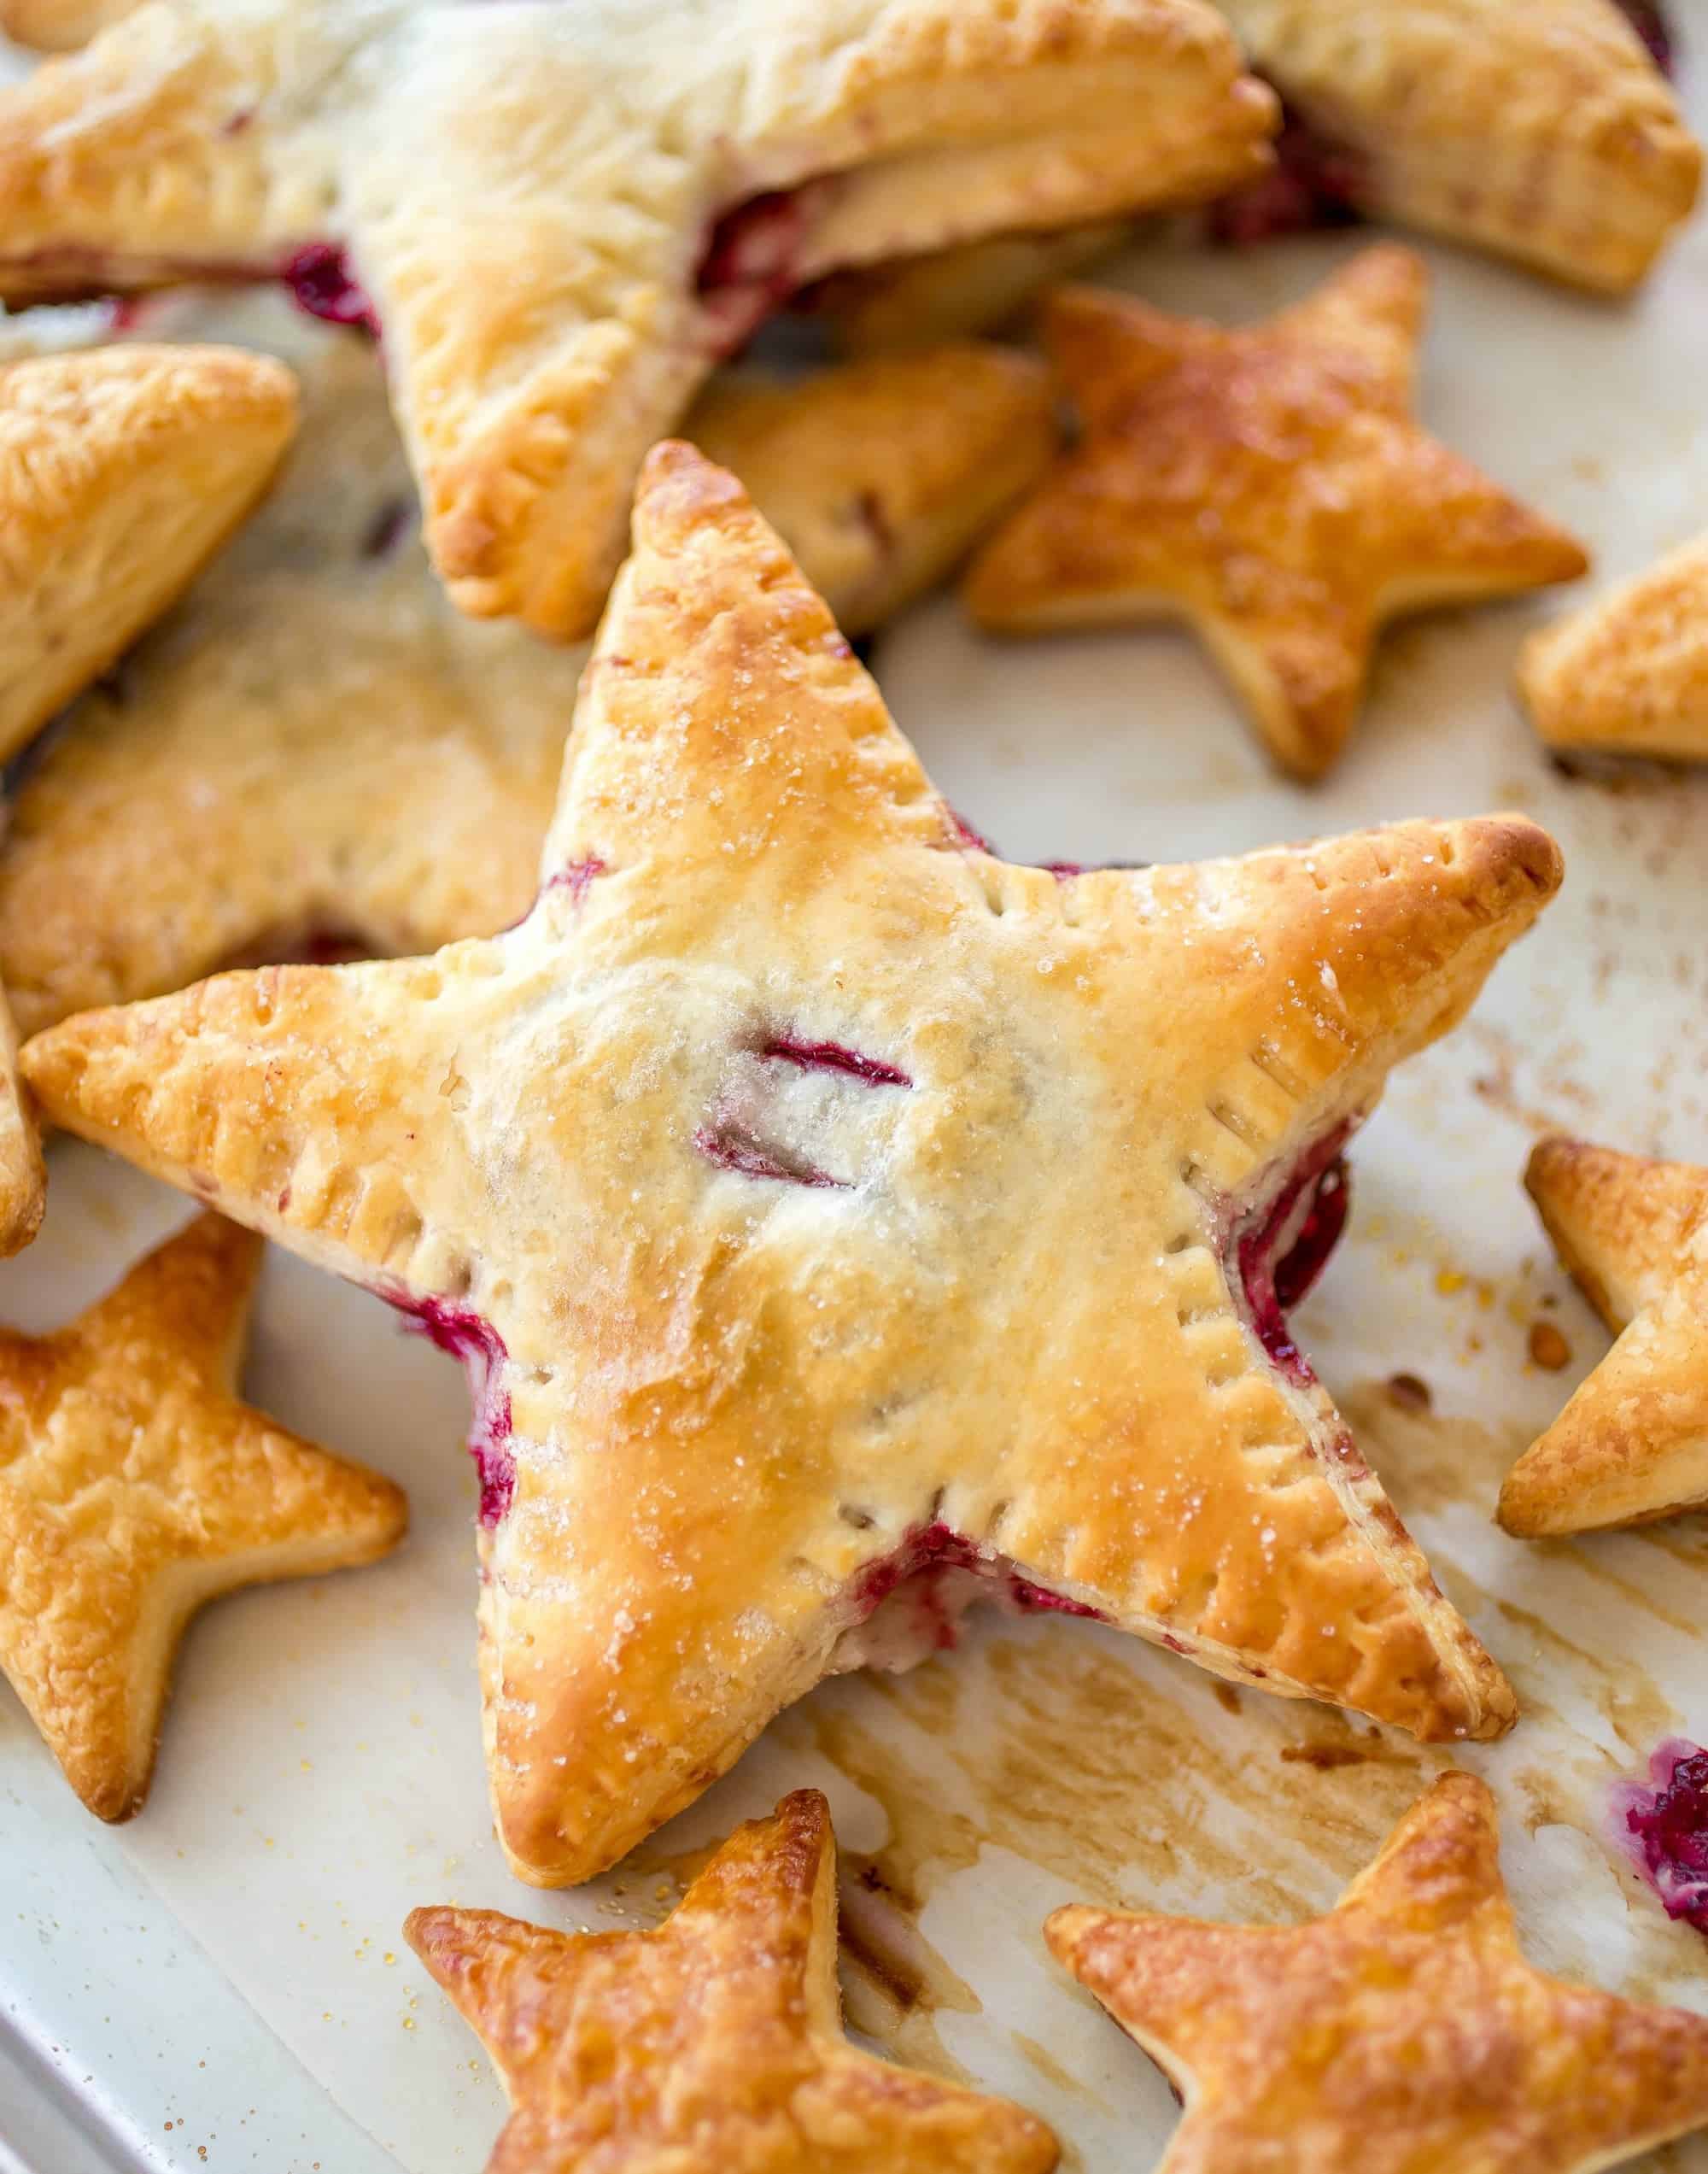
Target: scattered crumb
{"points": [[1549, 1348], [1409, 1392]]}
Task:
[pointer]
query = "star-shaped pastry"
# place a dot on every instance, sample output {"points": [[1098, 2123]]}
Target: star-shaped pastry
{"points": [[318, 747], [1269, 485], [714, 2041], [122, 470], [831, 1214], [1632, 1444], [1544, 132], [1628, 674], [134, 1486], [1403, 2033], [561, 217]]}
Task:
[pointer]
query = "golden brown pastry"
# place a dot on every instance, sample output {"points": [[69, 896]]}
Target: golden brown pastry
{"points": [[134, 1486], [1542, 131], [122, 470], [1632, 1445], [1404, 2033], [840, 1224], [562, 216], [318, 749], [714, 2041], [892, 308], [1270, 486], [1628, 673], [59, 25]]}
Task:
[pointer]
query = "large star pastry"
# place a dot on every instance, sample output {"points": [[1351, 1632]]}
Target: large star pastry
{"points": [[560, 217], [1632, 1445], [714, 2042], [1269, 485], [1404, 2033], [316, 750], [833, 1214], [134, 1486], [122, 470]]}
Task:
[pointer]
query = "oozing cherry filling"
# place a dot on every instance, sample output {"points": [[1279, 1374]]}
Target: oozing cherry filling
{"points": [[832, 1057], [752, 261], [1662, 1826], [925, 1587], [577, 878], [1653, 24], [1281, 1258], [466, 1336], [319, 278], [1313, 184], [731, 1150]]}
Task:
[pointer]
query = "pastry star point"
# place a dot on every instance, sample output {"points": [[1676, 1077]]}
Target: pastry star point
{"points": [[1402, 2029], [714, 2038], [843, 1120], [1632, 1444], [1268, 484], [134, 1486]]}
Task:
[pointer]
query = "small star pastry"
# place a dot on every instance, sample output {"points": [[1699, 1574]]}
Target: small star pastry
{"points": [[134, 1486], [122, 470], [1628, 674], [1632, 1445], [714, 2041], [560, 217], [1404, 2033], [1268, 485], [317, 751], [1544, 132], [840, 1225]]}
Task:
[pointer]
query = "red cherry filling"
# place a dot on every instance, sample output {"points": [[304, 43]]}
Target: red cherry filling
{"points": [[752, 260], [925, 1587], [1279, 1258], [319, 278], [832, 1057], [732, 1150], [1313, 184], [1653, 24], [577, 877], [1662, 1826], [466, 1337]]}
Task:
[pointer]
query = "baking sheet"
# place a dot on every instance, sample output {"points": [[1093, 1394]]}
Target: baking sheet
{"points": [[224, 1982]]}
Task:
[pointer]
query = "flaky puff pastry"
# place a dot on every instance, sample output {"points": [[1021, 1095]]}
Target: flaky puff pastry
{"points": [[833, 1214], [561, 216], [1270, 486], [714, 2041], [1404, 2033], [1544, 131], [122, 470], [1628, 674], [59, 25], [1632, 1445], [134, 1486], [318, 747], [975, 289]]}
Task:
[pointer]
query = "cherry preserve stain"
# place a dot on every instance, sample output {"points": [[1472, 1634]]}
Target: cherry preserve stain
{"points": [[318, 278], [577, 877], [388, 528], [477, 1345], [832, 1057], [1662, 1826]]}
